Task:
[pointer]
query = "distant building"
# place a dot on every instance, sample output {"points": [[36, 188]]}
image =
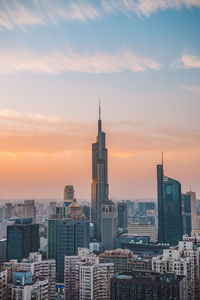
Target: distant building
{"points": [[109, 225], [186, 212], [140, 285], [2, 250], [122, 212], [22, 239], [143, 207], [134, 238], [68, 194], [143, 230], [170, 227]]}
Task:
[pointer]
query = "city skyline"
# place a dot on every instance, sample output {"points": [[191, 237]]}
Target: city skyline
{"points": [[142, 59]]}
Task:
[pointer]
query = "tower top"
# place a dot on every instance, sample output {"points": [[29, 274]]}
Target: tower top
{"points": [[162, 158], [99, 109], [99, 121]]}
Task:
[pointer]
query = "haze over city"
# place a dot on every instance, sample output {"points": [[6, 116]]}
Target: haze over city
{"points": [[142, 59]]}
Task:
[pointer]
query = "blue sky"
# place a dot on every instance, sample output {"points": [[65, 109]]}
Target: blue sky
{"points": [[142, 58]]}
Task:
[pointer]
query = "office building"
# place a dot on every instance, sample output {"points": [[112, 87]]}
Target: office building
{"points": [[122, 219], [140, 285], [109, 225], [99, 187], [22, 238], [186, 212], [170, 228], [66, 235]]}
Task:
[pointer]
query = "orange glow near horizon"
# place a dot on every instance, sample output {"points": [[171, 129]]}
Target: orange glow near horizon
{"points": [[39, 163]]}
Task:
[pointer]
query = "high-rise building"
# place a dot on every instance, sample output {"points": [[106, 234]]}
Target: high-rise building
{"points": [[186, 212], [193, 209], [86, 278], [39, 269], [170, 228], [66, 234], [100, 187], [22, 238], [122, 218], [30, 209], [109, 225], [139, 285], [2, 250]]}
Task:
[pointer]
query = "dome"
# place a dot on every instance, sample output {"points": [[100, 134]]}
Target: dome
{"points": [[74, 204]]}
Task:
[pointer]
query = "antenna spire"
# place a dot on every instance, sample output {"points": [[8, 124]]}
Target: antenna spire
{"points": [[99, 122], [162, 159], [99, 109]]}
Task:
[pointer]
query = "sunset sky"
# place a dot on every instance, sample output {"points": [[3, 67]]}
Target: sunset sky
{"points": [[59, 57]]}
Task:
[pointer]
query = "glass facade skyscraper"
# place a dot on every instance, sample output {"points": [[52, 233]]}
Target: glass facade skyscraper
{"points": [[170, 225], [186, 211]]}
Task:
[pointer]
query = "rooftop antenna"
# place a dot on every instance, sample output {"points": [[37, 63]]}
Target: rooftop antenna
{"points": [[99, 122], [99, 109], [162, 159]]}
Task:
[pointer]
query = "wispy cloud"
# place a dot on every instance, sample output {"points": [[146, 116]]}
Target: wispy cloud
{"points": [[146, 7], [190, 61], [21, 13], [193, 89], [17, 13], [69, 60]]}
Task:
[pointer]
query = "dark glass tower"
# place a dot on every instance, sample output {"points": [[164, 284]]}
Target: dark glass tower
{"points": [[170, 228], [186, 211], [99, 188], [22, 239]]}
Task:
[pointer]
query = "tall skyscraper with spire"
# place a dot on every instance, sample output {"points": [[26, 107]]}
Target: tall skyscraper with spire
{"points": [[170, 227], [100, 187]]}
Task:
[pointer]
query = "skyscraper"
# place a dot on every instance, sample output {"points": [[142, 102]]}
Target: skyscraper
{"points": [[109, 225], [66, 234], [170, 228], [99, 188]]}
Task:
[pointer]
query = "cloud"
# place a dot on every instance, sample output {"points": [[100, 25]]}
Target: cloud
{"points": [[58, 62], [193, 89], [35, 133], [190, 61], [17, 13], [21, 13], [146, 7]]}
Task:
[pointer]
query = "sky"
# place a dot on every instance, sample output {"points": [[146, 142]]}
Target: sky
{"points": [[59, 57]]}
